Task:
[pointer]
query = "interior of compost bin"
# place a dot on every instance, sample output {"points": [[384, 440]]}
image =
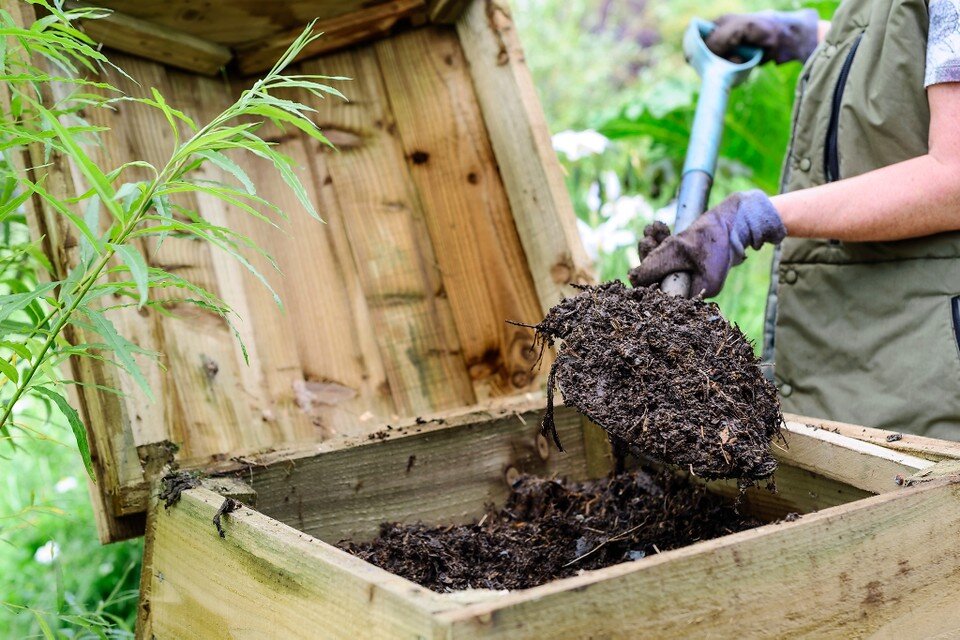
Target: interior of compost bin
{"points": [[551, 528], [548, 527]]}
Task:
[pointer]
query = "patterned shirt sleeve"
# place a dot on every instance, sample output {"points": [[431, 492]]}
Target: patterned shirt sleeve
{"points": [[943, 43]]}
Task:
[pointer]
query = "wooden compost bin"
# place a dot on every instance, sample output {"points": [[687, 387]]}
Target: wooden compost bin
{"points": [[445, 214]]}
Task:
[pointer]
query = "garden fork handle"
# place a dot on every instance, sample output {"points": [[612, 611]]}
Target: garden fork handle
{"points": [[718, 75]]}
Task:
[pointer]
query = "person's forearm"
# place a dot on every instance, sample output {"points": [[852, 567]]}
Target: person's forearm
{"points": [[910, 199]]}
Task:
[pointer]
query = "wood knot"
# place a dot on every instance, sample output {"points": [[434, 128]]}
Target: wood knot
{"points": [[543, 447], [511, 475], [210, 366], [419, 157], [521, 379]]}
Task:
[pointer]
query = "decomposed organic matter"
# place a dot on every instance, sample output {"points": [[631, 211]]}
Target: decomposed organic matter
{"points": [[667, 376]]}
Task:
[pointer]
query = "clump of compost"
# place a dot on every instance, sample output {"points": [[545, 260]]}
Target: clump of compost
{"points": [[666, 377], [552, 529]]}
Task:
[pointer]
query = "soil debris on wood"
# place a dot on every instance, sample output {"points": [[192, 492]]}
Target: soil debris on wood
{"points": [[667, 377], [551, 529], [229, 506], [174, 484]]}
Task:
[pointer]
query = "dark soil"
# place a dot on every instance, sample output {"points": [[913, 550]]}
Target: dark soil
{"points": [[665, 376], [551, 529]]}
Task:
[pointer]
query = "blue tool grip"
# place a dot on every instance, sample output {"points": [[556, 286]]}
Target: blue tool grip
{"points": [[718, 75]]}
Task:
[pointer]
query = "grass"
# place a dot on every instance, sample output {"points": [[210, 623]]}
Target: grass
{"points": [[87, 587]]}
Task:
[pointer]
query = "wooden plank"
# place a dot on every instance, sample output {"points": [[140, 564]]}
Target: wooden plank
{"points": [[267, 580], [383, 220], [521, 141], [797, 491], [930, 448], [339, 32], [331, 368], [237, 22], [446, 11], [435, 473], [144, 621], [485, 273], [155, 42], [885, 566], [860, 464], [598, 451]]}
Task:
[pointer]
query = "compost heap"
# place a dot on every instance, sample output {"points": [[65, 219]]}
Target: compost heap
{"points": [[552, 529], [666, 377]]}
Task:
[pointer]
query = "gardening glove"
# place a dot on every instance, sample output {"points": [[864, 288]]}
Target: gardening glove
{"points": [[783, 36], [711, 245]]}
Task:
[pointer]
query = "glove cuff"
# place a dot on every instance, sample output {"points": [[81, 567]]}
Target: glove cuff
{"points": [[755, 223]]}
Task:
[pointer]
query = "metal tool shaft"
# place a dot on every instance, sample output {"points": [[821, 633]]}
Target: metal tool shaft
{"points": [[718, 76]]}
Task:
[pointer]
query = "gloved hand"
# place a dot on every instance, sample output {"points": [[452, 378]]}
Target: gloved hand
{"points": [[711, 245], [782, 35]]}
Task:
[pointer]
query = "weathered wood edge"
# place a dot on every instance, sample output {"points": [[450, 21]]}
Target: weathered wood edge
{"points": [[155, 42], [860, 464], [521, 143], [446, 11], [852, 553], [427, 423], [930, 448], [270, 580], [442, 477], [339, 32]]}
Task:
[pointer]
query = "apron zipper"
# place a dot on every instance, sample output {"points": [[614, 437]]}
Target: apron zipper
{"points": [[831, 154]]}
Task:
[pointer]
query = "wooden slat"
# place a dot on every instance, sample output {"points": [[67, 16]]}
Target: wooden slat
{"points": [[383, 220], [446, 11], [236, 22], [155, 42], [483, 265], [521, 141], [267, 580], [931, 448], [322, 360], [338, 32], [797, 491], [886, 566], [863, 465], [437, 473]]}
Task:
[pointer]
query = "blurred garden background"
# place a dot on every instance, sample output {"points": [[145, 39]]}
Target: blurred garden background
{"points": [[619, 100]]}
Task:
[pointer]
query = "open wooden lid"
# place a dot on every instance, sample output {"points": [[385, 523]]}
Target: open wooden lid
{"points": [[445, 215]]}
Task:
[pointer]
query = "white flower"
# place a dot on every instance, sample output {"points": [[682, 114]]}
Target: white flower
{"points": [[615, 231], [611, 184], [667, 214], [625, 209], [592, 199], [579, 144], [66, 484], [47, 553]]}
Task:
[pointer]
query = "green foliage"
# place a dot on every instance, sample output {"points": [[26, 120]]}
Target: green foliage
{"points": [[58, 581], [116, 216], [87, 590]]}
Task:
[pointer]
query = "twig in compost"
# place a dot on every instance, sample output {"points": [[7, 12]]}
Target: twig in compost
{"points": [[619, 536]]}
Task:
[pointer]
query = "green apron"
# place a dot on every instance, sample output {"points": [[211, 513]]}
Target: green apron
{"points": [[867, 332]]}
